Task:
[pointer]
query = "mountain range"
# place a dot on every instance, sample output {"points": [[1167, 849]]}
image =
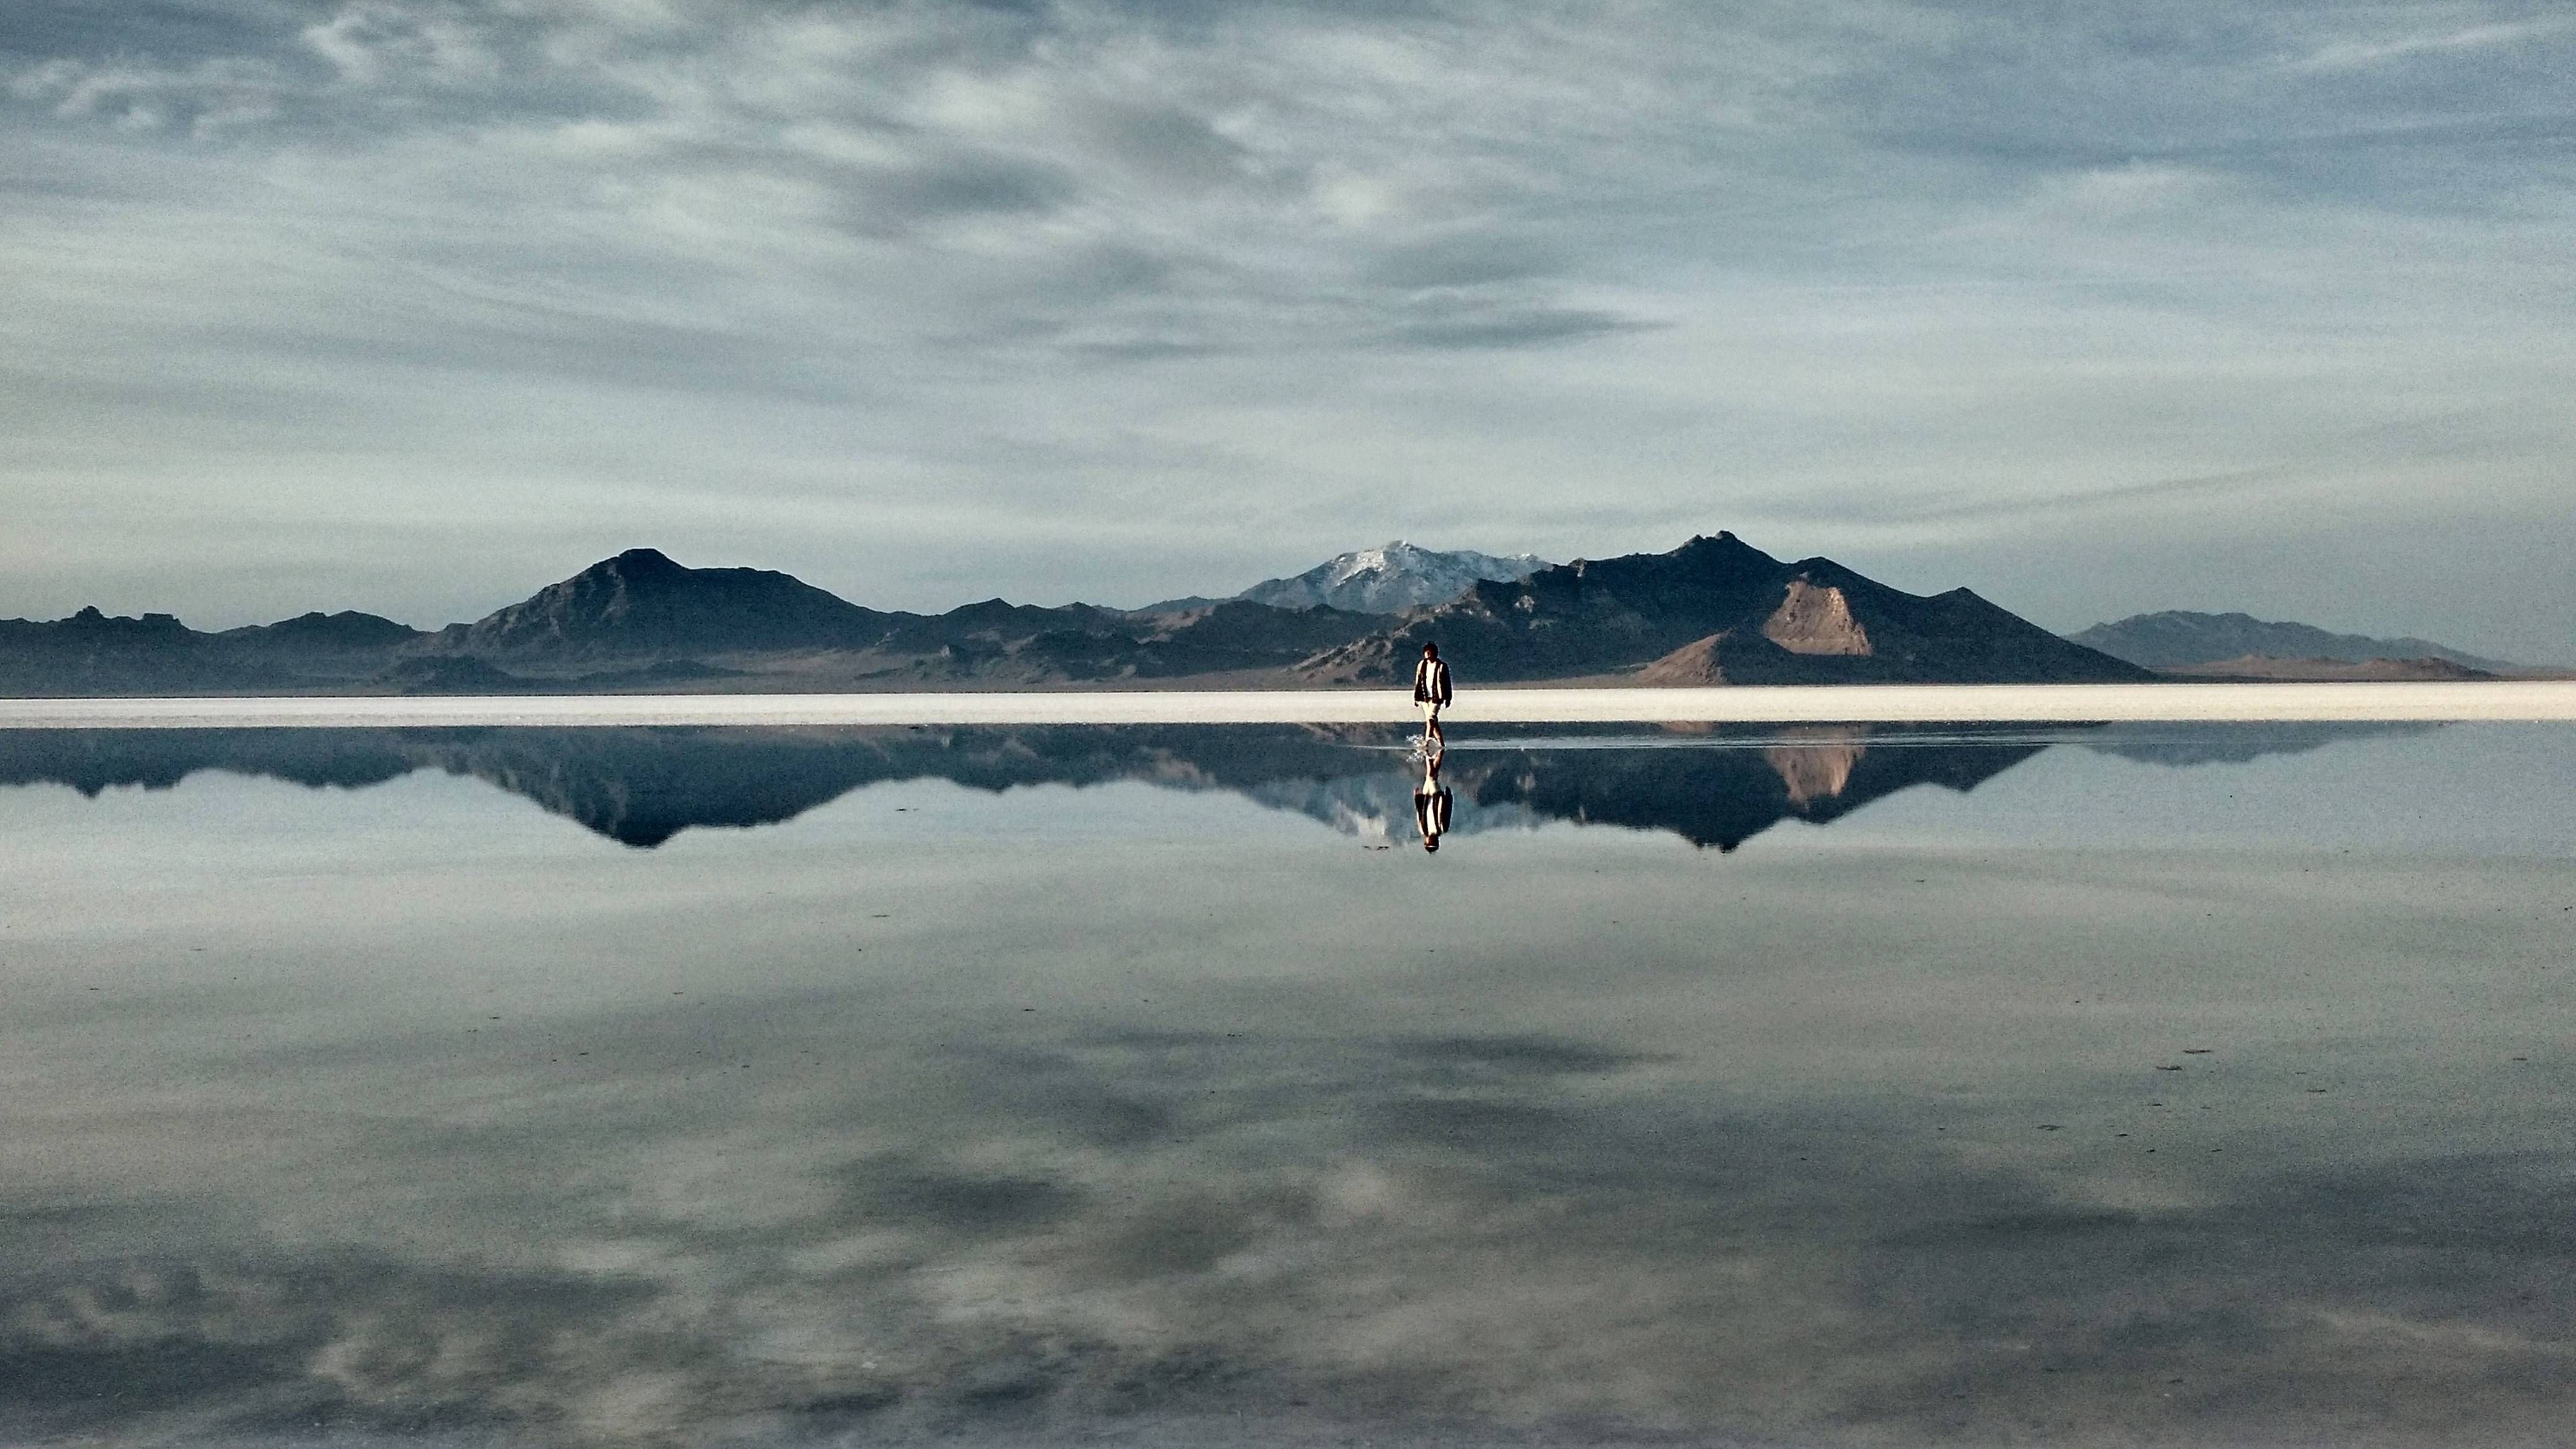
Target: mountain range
{"points": [[1720, 611], [1714, 611]]}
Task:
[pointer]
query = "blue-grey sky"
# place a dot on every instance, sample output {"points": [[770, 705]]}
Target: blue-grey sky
{"points": [[413, 306]]}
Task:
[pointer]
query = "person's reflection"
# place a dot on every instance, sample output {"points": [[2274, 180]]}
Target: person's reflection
{"points": [[1431, 798]]}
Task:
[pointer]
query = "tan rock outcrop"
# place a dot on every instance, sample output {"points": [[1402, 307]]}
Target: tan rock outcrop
{"points": [[1813, 620]]}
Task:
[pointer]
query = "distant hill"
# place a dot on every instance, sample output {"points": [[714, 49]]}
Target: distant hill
{"points": [[643, 603], [1186, 603], [93, 653], [2182, 639], [1719, 611], [2264, 666], [347, 632]]}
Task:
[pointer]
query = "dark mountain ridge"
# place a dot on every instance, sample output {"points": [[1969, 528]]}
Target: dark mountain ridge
{"points": [[93, 653], [1719, 611], [347, 631], [642, 602], [643, 621]]}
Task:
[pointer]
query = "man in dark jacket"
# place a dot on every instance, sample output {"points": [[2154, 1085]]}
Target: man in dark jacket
{"points": [[1431, 691]]}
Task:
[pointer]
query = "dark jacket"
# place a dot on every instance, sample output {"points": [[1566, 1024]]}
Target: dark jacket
{"points": [[1431, 681]]}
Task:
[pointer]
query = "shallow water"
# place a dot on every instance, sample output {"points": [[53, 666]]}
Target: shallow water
{"points": [[2136, 1085]]}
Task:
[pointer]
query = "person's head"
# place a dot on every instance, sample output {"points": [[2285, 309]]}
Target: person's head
{"points": [[1430, 650]]}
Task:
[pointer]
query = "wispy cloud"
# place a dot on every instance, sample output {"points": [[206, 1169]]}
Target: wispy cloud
{"points": [[2463, 41]]}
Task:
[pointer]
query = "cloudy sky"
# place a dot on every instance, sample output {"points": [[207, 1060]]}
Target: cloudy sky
{"points": [[413, 306]]}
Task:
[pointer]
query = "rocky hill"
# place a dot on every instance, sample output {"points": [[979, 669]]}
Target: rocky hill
{"points": [[2265, 667], [93, 653], [1719, 611], [641, 603]]}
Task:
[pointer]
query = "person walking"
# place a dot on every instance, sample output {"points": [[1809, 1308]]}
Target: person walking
{"points": [[1431, 691]]}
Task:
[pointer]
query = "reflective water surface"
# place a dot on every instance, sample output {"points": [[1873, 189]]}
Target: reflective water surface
{"points": [[2132, 1085]]}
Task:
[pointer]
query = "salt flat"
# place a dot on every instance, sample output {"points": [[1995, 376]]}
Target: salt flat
{"points": [[2498, 700]]}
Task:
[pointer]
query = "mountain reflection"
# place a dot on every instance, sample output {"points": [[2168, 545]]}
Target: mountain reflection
{"points": [[1711, 785], [2103, 1119]]}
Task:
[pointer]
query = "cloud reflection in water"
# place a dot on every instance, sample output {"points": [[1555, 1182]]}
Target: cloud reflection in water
{"points": [[1006, 1137]]}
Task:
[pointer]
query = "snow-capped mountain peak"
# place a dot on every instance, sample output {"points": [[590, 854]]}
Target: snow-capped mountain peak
{"points": [[1391, 578]]}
